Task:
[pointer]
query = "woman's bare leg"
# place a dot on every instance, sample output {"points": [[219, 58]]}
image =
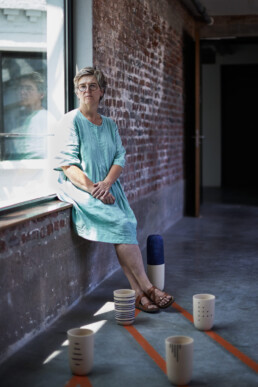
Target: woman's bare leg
{"points": [[123, 252], [130, 259]]}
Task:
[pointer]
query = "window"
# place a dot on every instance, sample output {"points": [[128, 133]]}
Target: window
{"points": [[24, 106], [31, 95]]}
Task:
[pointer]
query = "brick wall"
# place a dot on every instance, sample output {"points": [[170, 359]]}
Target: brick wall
{"points": [[45, 268], [138, 44]]}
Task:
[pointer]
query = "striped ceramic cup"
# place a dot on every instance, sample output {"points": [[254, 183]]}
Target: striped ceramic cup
{"points": [[124, 300]]}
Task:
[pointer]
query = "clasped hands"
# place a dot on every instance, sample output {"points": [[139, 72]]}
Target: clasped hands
{"points": [[101, 191]]}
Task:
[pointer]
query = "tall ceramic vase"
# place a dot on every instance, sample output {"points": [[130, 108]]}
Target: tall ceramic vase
{"points": [[155, 261]]}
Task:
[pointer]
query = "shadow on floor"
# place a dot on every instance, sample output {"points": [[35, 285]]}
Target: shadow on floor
{"points": [[243, 196]]}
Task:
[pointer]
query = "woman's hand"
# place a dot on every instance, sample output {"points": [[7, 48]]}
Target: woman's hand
{"points": [[100, 190], [109, 199]]}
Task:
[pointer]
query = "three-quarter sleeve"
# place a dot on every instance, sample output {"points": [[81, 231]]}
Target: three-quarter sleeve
{"points": [[119, 158], [66, 144]]}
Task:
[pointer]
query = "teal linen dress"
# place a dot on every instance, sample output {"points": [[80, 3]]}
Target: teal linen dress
{"points": [[94, 149]]}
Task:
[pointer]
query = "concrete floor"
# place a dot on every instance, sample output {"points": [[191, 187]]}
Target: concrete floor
{"points": [[216, 253]]}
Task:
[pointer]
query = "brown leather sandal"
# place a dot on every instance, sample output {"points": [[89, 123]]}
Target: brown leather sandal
{"points": [[146, 307], [158, 299]]}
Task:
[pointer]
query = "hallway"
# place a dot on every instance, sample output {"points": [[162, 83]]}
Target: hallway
{"points": [[216, 253]]}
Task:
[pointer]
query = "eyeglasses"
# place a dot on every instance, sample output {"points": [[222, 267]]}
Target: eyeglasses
{"points": [[26, 88], [90, 87]]}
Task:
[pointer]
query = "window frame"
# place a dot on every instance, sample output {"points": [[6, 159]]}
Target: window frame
{"points": [[1, 109], [69, 53], [68, 34]]}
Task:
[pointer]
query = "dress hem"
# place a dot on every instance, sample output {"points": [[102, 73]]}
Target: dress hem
{"points": [[135, 242]]}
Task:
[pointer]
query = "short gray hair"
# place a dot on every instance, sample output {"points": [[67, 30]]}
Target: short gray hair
{"points": [[36, 78], [89, 71]]}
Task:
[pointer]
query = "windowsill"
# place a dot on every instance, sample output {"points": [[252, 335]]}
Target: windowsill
{"points": [[36, 211], [24, 164]]}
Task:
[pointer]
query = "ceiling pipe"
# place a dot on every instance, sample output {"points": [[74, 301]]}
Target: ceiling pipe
{"points": [[202, 11]]}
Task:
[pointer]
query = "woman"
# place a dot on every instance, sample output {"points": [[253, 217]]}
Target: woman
{"points": [[91, 159], [33, 119]]}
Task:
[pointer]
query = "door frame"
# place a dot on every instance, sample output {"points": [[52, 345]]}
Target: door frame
{"points": [[197, 180], [192, 175]]}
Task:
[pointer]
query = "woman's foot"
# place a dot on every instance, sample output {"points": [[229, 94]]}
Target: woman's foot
{"points": [[143, 303], [160, 298]]}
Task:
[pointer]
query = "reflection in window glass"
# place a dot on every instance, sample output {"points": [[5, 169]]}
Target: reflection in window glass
{"points": [[27, 112], [25, 115]]}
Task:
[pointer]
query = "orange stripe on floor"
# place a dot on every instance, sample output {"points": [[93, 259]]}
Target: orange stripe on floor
{"points": [[146, 346], [76, 381], [225, 344], [184, 312], [230, 348], [83, 381]]}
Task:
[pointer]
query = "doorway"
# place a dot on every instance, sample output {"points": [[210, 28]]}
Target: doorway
{"points": [[189, 125], [239, 85]]}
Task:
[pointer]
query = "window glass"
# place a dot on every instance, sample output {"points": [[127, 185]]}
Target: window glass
{"points": [[31, 95], [24, 106]]}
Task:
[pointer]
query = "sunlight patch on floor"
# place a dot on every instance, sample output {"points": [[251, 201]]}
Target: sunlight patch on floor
{"points": [[107, 307], [52, 356]]}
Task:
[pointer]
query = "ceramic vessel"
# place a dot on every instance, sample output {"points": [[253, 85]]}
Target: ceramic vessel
{"points": [[203, 311], [124, 300], [81, 350], [179, 359], [156, 261]]}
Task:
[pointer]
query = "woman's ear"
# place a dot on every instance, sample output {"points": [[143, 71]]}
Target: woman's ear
{"points": [[101, 93]]}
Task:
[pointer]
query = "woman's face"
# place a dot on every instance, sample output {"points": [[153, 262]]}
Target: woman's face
{"points": [[88, 91], [29, 95]]}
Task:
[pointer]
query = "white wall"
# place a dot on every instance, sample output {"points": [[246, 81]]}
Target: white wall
{"points": [[211, 110], [23, 26], [55, 58], [83, 53], [83, 43]]}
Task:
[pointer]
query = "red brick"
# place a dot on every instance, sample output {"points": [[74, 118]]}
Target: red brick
{"points": [[140, 50]]}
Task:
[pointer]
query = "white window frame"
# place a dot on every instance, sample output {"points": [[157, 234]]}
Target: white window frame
{"points": [[55, 48]]}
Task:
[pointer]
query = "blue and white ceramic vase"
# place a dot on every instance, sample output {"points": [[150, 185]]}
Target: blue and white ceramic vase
{"points": [[155, 261]]}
